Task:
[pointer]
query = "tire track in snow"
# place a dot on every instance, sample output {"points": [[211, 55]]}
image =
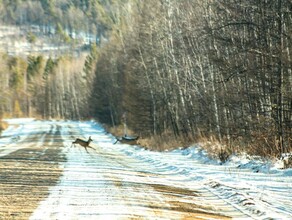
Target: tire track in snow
{"points": [[108, 184], [28, 169], [247, 192]]}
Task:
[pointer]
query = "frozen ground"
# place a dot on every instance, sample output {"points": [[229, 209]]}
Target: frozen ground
{"points": [[127, 182]]}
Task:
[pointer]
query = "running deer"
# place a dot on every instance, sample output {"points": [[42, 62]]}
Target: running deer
{"points": [[83, 143]]}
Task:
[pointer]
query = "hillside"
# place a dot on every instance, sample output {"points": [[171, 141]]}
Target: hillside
{"points": [[33, 41]]}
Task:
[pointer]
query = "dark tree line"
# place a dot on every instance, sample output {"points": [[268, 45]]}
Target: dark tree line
{"points": [[191, 68]]}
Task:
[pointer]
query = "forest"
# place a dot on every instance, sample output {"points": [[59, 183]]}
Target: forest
{"points": [[189, 70]]}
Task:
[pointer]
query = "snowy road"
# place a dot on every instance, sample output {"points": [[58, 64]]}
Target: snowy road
{"points": [[42, 177]]}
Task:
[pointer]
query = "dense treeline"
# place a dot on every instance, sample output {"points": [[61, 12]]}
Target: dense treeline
{"points": [[190, 68], [44, 87]]}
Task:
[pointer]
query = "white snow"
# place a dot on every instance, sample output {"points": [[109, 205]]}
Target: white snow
{"points": [[112, 181]]}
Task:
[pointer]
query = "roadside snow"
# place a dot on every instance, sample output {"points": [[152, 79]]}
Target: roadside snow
{"points": [[254, 187]]}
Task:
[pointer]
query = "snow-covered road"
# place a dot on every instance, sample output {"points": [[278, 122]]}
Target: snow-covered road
{"points": [[127, 182]]}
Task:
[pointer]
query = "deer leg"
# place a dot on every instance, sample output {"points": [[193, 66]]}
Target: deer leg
{"points": [[91, 147]]}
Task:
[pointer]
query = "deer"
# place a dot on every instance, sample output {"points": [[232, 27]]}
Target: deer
{"points": [[83, 143]]}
